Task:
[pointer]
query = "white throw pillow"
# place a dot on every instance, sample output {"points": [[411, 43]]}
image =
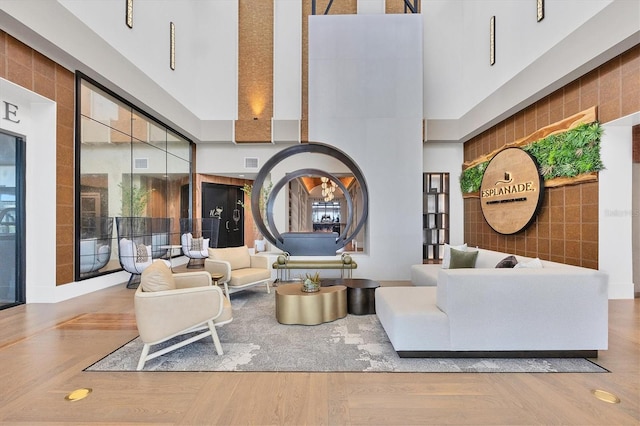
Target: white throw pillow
{"points": [[446, 258], [532, 264]]}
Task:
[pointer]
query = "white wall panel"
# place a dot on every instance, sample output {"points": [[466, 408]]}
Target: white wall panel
{"points": [[532, 58], [365, 98], [448, 158], [370, 6], [615, 253], [287, 60]]}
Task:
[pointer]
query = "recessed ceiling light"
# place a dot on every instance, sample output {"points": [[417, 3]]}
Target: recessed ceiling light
{"points": [[605, 396], [78, 394]]}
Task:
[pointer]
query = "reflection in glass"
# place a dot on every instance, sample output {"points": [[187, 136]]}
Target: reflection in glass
{"points": [[130, 166], [312, 210]]}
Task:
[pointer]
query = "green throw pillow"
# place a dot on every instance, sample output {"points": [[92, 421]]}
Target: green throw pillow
{"points": [[463, 259]]}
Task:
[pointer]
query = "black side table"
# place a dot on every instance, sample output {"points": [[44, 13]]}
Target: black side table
{"points": [[360, 294]]}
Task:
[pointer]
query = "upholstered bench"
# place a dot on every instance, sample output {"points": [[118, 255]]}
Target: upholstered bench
{"points": [[284, 264]]}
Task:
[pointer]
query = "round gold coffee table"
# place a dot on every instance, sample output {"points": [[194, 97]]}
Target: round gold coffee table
{"points": [[293, 306]]}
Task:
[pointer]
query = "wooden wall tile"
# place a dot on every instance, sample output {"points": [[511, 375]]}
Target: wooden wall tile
{"points": [[566, 229]]}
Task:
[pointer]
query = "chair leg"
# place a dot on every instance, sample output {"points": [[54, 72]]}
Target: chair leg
{"points": [[268, 289], [195, 263], [216, 339], [226, 291], [143, 356], [134, 281]]}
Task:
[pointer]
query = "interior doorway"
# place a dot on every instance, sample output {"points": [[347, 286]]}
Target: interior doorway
{"points": [[12, 232], [222, 200]]}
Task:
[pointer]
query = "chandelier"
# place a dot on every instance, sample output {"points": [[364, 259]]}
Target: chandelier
{"points": [[328, 188]]}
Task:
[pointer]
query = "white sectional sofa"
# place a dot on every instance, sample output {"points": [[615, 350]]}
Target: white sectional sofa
{"points": [[556, 310]]}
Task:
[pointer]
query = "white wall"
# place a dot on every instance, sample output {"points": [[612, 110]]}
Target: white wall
{"points": [[448, 157], [615, 212], [37, 126], [287, 60], [365, 98], [465, 95], [206, 46], [636, 227]]}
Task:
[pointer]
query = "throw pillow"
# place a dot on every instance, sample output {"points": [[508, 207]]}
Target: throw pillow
{"points": [[446, 257], [196, 244], [142, 256], [507, 262], [157, 277], [463, 259], [532, 264]]}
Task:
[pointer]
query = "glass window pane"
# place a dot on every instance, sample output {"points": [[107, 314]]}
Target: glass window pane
{"points": [[126, 170], [178, 146]]}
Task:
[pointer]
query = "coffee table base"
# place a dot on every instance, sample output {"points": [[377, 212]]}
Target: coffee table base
{"points": [[293, 306], [361, 297]]}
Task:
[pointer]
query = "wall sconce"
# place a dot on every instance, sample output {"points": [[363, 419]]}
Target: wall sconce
{"points": [[172, 46], [129, 13], [492, 40], [540, 9]]}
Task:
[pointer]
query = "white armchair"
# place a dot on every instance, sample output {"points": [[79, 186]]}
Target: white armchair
{"points": [[168, 305], [93, 256], [196, 249], [135, 258], [239, 269]]}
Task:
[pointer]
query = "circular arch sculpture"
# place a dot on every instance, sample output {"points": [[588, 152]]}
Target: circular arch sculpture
{"points": [[276, 238]]}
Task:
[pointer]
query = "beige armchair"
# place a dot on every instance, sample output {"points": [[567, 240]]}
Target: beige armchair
{"points": [[239, 268], [168, 305]]}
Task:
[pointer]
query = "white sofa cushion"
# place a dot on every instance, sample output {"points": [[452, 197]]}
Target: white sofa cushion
{"points": [[411, 319], [530, 264]]}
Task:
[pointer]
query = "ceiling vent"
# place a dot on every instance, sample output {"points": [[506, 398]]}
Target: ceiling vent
{"points": [[250, 162], [140, 163]]}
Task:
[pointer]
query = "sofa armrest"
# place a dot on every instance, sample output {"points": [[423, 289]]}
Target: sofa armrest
{"points": [[192, 279], [259, 261], [220, 267]]}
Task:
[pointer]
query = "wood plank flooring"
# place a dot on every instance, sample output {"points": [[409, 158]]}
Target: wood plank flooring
{"points": [[45, 347]]}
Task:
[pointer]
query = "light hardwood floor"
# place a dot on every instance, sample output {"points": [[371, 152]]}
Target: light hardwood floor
{"points": [[45, 347]]}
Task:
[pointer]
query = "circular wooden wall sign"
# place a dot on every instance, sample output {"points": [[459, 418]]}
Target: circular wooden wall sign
{"points": [[512, 191]]}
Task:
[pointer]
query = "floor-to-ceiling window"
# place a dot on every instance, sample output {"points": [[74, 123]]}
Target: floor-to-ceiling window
{"points": [[128, 165], [12, 232]]}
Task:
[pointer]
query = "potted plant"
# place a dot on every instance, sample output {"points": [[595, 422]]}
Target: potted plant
{"points": [[311, 284]]}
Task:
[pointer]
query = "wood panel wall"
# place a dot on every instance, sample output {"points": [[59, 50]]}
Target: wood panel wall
{"points": [[566, 229], [25, 67], [636, 143], [255, 71]]}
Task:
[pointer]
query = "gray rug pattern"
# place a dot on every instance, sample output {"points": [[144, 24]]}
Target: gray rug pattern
{"points": [[255, 341]]}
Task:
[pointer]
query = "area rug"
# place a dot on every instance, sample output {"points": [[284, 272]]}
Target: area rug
{"points": [[255, 341]]}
